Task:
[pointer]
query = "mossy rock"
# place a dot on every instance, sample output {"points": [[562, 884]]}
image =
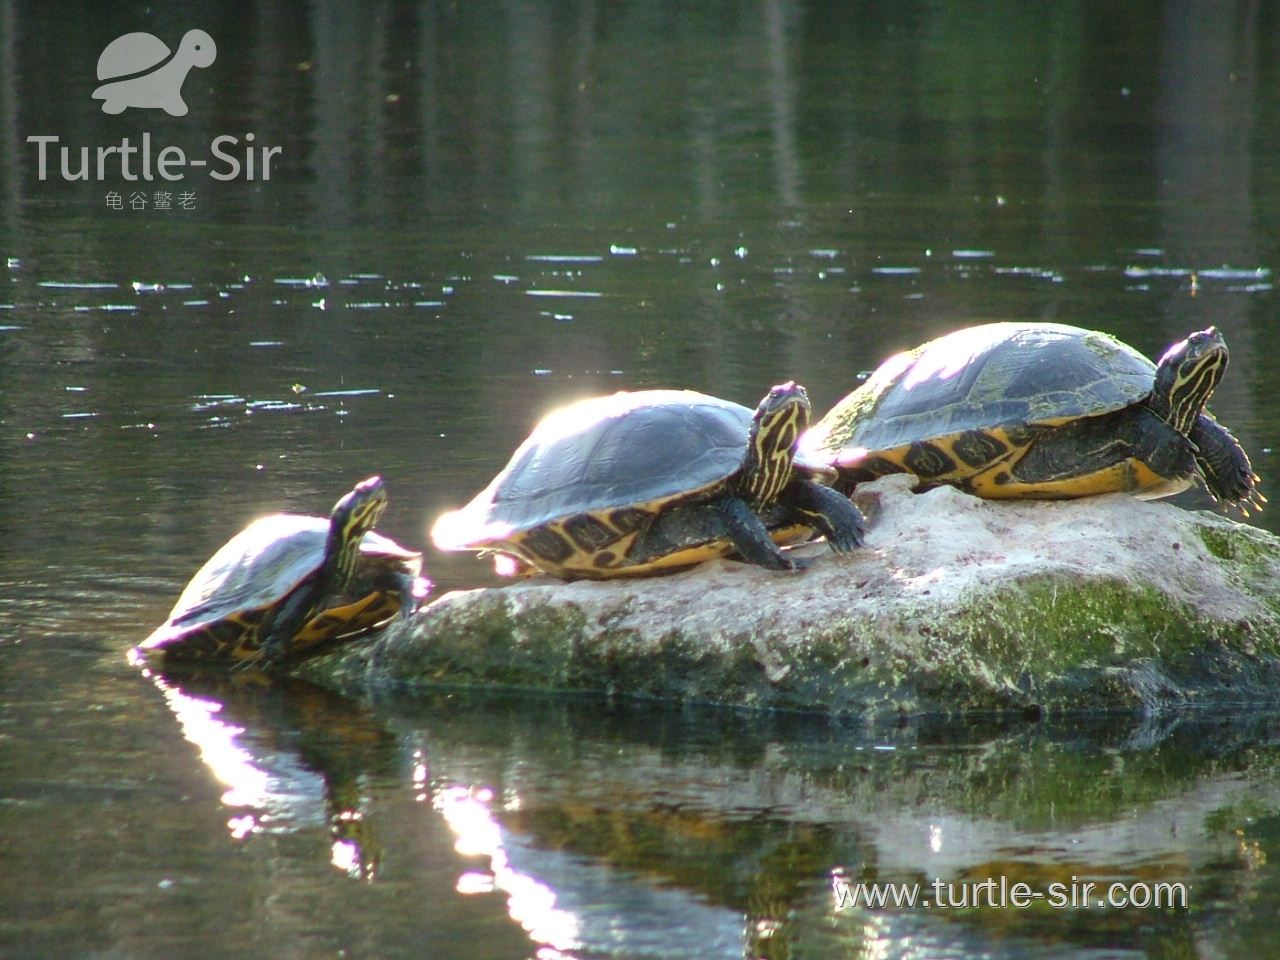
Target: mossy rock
{"points": [[956, 604]]}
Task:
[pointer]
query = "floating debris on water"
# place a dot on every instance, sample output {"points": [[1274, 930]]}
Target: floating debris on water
{"points": [[895, 271], [1140, 272], [79, 416], [824, 253], [253, 405], [319, 280], [1232, 273], [566, 257], [195, 303], [119, 307], [618, 251], [266, 343], [140, 287], [205, 402], [428, 303], [541, 372], [78, 285], [967, 254], [1039, 273], [505, 277], [357, 392], [564, 293]]}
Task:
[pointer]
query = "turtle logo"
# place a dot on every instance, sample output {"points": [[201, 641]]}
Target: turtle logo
{"points": [[140, 72]]}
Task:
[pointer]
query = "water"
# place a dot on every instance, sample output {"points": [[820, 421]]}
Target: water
{"points": [[479, 213]]}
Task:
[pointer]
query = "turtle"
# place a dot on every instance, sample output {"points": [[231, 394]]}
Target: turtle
{"points": [[288, 585], [1044, 411], [142, 74], [653, 481]]}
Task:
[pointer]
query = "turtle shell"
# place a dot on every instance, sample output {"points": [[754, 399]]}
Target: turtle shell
{"points": [[259, 567], [996, 376], [131, 54], [631, 449]]}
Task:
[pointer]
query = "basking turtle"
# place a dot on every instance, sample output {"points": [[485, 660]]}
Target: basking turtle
{"points": [[656, 480], [142, 74], [1041, 410], [287, 585]]}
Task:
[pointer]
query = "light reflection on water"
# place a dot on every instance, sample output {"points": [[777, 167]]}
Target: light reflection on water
{"points": [[482, 213]]}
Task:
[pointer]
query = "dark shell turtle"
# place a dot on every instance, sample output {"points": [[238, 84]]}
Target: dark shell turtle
{"points": [[1041, 410], [288, 585], [655, 480]]}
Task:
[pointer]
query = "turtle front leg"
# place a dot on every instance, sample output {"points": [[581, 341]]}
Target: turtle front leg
{"points": [[1228, 474], [829, 511]]}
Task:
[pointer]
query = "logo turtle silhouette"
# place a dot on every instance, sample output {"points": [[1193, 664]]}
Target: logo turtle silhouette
{"points": [[142, 74]]}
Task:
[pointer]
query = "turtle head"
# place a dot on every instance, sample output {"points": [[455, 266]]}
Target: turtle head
{"points": [[778, 422], [198, 48], [1186, 377], [353, 516]]}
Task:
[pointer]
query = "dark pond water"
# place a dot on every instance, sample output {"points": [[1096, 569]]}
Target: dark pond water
{"points": [[479, 211]]}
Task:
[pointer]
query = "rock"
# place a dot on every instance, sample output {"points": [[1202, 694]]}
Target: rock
{"points": [[955, 604]]}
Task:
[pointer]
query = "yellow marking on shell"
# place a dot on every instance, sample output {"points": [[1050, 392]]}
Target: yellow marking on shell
{"points": [[1129, 476], [581, 565]]}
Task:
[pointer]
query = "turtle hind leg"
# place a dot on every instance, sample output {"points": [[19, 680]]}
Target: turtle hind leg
{"points": [[727, 519], [830, 511], [1228, 474]]}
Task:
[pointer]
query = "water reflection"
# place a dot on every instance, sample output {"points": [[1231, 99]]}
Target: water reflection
{"points": [[290, 756], [730, 831]]}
